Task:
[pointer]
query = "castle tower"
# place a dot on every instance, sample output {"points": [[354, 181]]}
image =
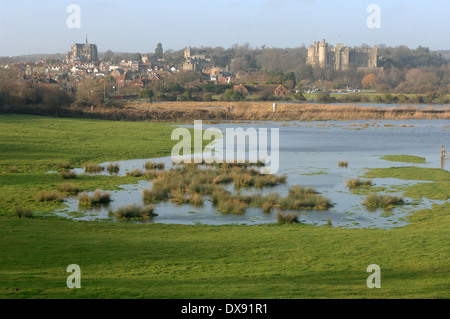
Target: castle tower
{"points": [[373, 57], [323, 54]]}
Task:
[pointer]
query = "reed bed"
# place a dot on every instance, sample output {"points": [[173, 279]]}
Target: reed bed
{"points": [[189, 184], [134, 212], [246, 110]]}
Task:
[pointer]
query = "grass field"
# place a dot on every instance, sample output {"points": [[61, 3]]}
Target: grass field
{"points": [[126, 260], [34, 145]]}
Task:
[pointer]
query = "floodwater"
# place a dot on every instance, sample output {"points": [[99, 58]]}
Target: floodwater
{"points": [[309, 156]]}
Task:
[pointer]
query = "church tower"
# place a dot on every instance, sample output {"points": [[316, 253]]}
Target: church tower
{"points": [[187, 53]]}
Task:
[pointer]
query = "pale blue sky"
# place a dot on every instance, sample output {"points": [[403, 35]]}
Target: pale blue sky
{"points": [[39, 26]]}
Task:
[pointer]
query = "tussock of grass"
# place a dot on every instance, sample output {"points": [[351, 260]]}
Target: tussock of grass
{"points": [[68, 174], [135, 173], [298, 198], [382, 201], [93, 168], [50, 196], [343, 164], [113, 168], [68, 188], [23, 212], [98, 198], [152, 165], [304, 198], [353, 183], [156, 194], [134, 212], [267, 207], [64, 165], [196, 199], [13, 169], [286, 218], [178, 197], [232, 206]]}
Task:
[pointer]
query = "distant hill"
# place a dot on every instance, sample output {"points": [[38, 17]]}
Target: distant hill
{"points": [[30, 58]]}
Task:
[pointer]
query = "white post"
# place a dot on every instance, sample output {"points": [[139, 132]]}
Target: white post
{"points": [[274, 107]]}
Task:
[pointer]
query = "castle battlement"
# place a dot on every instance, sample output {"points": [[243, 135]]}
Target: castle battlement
{"points": [[341, 57]]}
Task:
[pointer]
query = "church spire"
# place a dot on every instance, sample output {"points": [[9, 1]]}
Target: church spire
{"points": [[86, 40]]}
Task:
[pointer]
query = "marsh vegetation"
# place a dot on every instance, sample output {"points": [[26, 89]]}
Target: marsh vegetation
{"points": [[193, 184]]}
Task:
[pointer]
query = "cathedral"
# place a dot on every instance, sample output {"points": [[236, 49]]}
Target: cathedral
{"points": [[82, 53]]}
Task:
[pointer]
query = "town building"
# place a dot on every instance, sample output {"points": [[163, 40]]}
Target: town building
{"points": [[194, 62]]}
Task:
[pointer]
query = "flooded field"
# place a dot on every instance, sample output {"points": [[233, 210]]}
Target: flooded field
{"points": [[309, 156]]}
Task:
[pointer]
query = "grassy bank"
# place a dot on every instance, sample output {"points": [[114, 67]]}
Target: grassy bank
{"points": [[126, 260]]}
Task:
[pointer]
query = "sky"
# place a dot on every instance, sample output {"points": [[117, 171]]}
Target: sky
{"points": [[40, 26]]}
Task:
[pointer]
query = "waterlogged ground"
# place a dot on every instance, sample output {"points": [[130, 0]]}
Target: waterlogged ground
{"points": [[309, 156]]}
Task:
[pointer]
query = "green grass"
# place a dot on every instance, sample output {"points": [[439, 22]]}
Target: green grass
{"points": [[437, 187], [36, 144], [127, 260], [410, 173], [172, 261], [436, 190], [404, 159]]}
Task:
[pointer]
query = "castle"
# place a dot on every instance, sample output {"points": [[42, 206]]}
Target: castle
{"points": [[82, 53], [342, 57]]}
